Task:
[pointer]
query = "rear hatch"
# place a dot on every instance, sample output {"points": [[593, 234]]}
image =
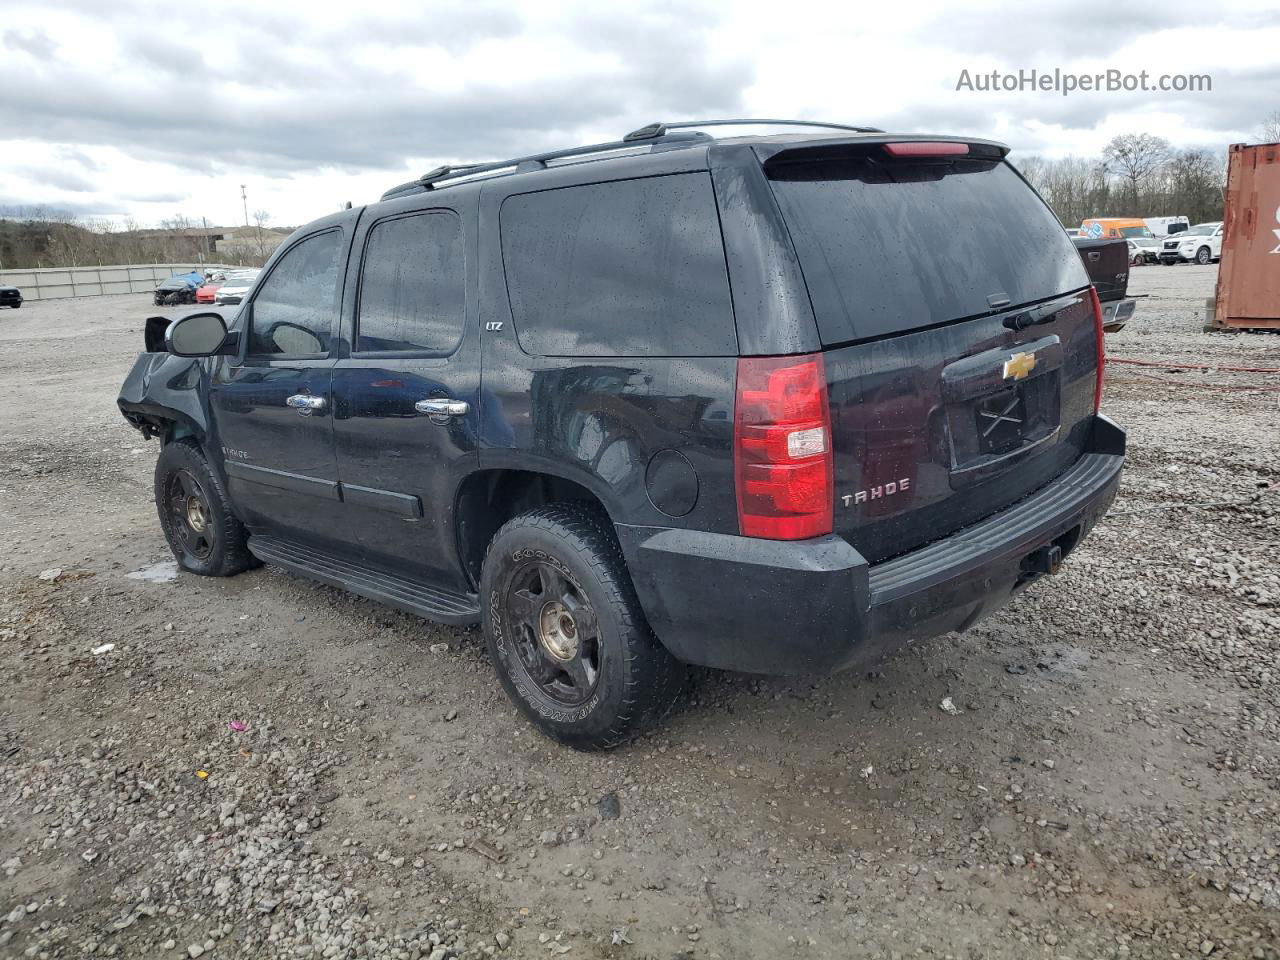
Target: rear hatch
{"points": [[958, 334], [1107, 262]]}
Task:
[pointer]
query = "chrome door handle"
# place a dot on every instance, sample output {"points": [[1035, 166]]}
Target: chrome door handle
{"points": [[305, 404], [443, 408]]}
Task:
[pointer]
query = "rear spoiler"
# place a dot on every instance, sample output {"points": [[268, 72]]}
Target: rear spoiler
{"points": [[881, 146]]}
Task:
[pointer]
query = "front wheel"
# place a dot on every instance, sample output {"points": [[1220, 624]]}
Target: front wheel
{"points": [[566, 633], [195, 515]]}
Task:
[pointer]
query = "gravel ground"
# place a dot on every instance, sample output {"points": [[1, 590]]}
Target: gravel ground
{"points": [[264, 767]]}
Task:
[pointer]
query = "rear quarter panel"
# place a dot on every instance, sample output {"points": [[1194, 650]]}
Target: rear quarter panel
{"points": [[600, 421]]}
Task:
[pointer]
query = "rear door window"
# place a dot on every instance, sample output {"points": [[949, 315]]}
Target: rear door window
{"points": [[890, 247], [625, 268], [412, 286]]}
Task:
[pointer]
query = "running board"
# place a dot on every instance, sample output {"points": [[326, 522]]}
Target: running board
{"points": [[431, 603]]}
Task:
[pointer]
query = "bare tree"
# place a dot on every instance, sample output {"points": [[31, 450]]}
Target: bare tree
{"points": [[1270, 130], [260, 218], [1196, 180], [1134, 157]]}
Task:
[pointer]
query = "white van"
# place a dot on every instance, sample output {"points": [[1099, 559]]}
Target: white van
{"points": [[1166, 226]]}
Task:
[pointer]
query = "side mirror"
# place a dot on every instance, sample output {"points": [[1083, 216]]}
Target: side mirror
{"points": [[197, 335]]}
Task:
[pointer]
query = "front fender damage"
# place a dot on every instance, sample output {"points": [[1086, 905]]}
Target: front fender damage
{"points": [[163, 393]]}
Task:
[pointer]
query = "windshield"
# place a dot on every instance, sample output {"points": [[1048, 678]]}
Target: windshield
{"points": [[1201, 230], [1137, 233]]}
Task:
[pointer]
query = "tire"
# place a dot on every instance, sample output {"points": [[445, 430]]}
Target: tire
{"points": [[1137, 260], [205, 536], [612, 678], [18, 305], [1204, 256]]}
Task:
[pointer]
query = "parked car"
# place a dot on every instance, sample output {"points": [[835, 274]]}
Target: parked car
{"points": [[236, 286], [1201, 244], [205, 292], [1107, 262], [10, 297], [179, 288], [671, 404]]}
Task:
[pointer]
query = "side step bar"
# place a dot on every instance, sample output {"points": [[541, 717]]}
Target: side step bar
{"points": [[428, 602]]}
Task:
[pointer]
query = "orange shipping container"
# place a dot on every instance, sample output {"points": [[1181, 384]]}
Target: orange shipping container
{"points": [[1248, 293]]}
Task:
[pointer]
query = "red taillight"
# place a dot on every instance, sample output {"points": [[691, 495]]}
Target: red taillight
{"points": [[782, 448], [926, 148], [1102, 349]]}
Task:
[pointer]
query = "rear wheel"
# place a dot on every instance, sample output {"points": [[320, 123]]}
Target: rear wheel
{"points": [[566, 633], [203, 533], [1203, 256]]}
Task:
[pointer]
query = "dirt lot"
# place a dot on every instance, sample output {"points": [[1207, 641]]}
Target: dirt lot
{"points": [[1110, 785]]}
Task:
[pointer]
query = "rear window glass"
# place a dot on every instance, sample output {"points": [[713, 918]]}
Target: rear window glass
{"points": [[892, 247], [626, 268]]}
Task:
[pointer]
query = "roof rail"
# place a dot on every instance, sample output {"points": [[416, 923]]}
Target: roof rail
{"points": [[660, 129], [432, 179], [654, 134]]}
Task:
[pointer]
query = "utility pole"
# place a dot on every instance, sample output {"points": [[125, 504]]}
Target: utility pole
{"points": [[244, 198], [204, 246]]}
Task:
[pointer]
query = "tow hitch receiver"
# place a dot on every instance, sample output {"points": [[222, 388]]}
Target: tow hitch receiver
{"points": [[1048, 559]]}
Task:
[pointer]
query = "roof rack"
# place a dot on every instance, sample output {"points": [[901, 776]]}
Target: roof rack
{"points": [[655, 134], [432, 179]]}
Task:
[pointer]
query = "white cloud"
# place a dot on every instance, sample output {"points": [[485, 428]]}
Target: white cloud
{"points": [[138, 109]]}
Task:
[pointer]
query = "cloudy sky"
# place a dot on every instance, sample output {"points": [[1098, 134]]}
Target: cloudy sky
{"points": [[147, 110]]}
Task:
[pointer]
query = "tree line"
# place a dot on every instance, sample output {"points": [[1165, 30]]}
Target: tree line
{"points": [[45, 237], [1137, 175]]}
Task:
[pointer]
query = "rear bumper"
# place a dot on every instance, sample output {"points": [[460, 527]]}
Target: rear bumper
{"points": [[816, 606], [1116, 314]]}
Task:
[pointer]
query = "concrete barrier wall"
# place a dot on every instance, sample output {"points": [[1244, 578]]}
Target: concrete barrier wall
{"points": [[50, 283]]}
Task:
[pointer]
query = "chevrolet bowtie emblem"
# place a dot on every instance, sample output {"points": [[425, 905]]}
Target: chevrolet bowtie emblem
{"points": [[1019, 365]]}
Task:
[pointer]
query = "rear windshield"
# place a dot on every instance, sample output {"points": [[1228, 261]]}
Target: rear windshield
{"points": [[890, 247]]}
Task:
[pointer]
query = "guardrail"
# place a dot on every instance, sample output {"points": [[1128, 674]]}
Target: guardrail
{"points": [[51, 283]]}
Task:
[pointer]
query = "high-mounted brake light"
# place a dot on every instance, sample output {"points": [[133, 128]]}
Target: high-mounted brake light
{"points": [[1101, 348], [782, 448], [926, 148]]}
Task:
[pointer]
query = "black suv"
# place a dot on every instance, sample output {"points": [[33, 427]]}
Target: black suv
{"points": [[751, 403]]}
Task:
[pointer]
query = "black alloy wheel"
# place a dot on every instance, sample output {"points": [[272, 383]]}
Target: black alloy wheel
{"points": [[189, 514], [555, 631]]}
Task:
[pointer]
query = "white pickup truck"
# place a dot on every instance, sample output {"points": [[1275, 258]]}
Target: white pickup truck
{"points": [[1201, 244]]}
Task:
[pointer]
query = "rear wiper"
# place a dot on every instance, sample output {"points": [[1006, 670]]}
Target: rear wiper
{"points": [[1030, 318]]}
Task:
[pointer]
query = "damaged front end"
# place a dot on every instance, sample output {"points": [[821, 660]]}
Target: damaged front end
{"points": [[162, 393]]}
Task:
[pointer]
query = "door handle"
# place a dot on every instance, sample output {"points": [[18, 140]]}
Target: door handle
{"points": [[305, 404], [442, 408]]}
